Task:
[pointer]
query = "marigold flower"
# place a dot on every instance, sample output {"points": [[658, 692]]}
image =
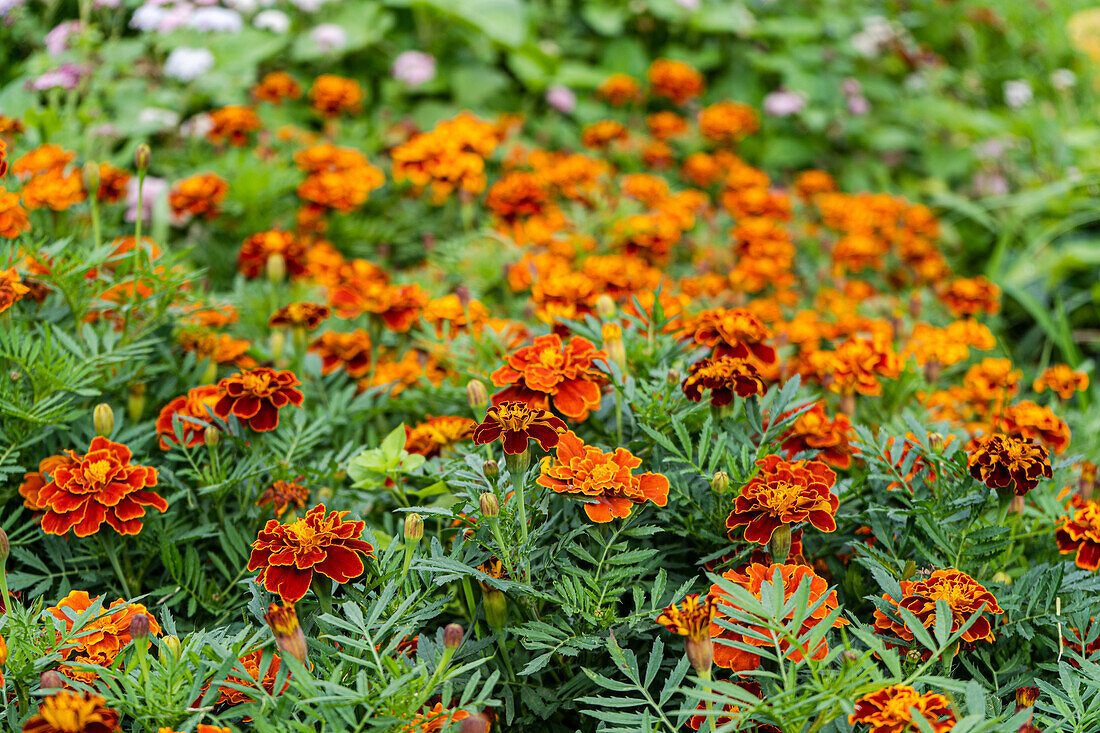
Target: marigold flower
{"points": [[192, 412], [13, 217], [735, 332], [282, 494], [255, 397], [607, 477], [306, 316], [450, 310], [910, 445], [971, 296], [233, 124], [888, 710], [752, 579], [287, 555], [619, 89], [434, 719], [1004, 462], [102, 638], [220, 348], [283, 622], [42, 159], [857, 365], [439, 434], [349, 351], [331, 94], [275, 87], [599, 135], [784, 493], [112, 184], [724, 378], [813, 431], [692, 618], [515, 424], [812, 182], [963, 595], [33, 481], [666, 124], [674, 80], [69, 712], [342, 190], [1061, 379], [550, 373], [728, 122], [1029, 420], [12, 288], [200, 195], [55, 189], [100, 486], [250, 664], [260, 247], [1081, 535]]}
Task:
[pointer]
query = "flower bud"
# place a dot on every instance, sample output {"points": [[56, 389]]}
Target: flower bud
{"points": [[276, 268], [452, 636], [932, 371], [605, 307], [171, 645], [700, 652], [477, 396], [414, 527], [276, 342], [673, 376], [490, 469], [139, 627], [914, 655], [135, 403], [490, 505], [496, 608], [51, 680], [1002, 577], [211, 435], [142, 156], [103, 419], [5, 546], [475, 724], [613, 342], [1026, 697], [780, 544], [288, 632], [849, 656], [90, 176], [720, 482]]}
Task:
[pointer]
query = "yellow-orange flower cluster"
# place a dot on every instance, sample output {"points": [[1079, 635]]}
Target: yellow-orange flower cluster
{"points": [[889, 710]]}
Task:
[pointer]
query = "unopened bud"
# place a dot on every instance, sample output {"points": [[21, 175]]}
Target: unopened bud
{"points": [[673, 376], [414, 527], [135, 403], [700, 652], [914, 655], [935, 441], [103, 419], [142, 156], [849, 656], [605, 307], [490, 506], [139, 627], [50, 680], [477, 396], [780, 544], [452, 636], [289, 637], [496, 608], [613, 342], [1002, 577], [5, 546], [90, 177], [276, 268], [171, 645], [720, 482], [491, 469], [211, 435], [276, 343], [475, 724]]}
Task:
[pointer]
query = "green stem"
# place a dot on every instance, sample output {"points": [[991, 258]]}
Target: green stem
{"points": [[518, 476], [113, 557]]}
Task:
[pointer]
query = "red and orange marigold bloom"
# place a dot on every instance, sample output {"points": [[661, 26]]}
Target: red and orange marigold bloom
{"points": [[33, 481], [752, 579], [287, 555], [255, 397], [735, 332], [99, 486], [813, 431], [1030, 420], [619, 89], [282, 494], [439, 434], [349, 351], [331, 94], [101, 639], [674, 80], [728, 122], [434, 719], [1062, 380], [606, 477], [723, 378], [692, 618], [889, 710], [192, 412], [964, 596], [1081, 535], [515, 424], [13, 217], [550, 373], [251, 665], [782, 493], [200, 195], [600, 134], [857, 365], [233, 124], [262, 246], [12, 288], [971, 296], [55, 189], [66, 712], [112, 184], [1002, 462], [306, 316], [275, 87]]}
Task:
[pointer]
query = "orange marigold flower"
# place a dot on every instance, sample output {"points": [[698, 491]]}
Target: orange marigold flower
{"points": [[220, 348], [813, 431], [728, 122], [233, 124], [1004, 462], [112, 184], [599, 135], [450, 310], [517, 195], [260, 247], [619, 89], [971, 296], [342, 190], [734, 332], [650, 236], [889, 710], [281, 494], [552, 373], [275, 87], [99, 486], [857, 365], [331, 94], [1029, 420], [255, 397], [192, 412], [666, 124], [964, 596], [692, 618], [674, 80], [1061, 379], [515, 424], [812, 182], [724, 378], [287, 555], [69, 712], [3, 158], [251, 665], [348, 351], [307, 316], [54, 189], [911, 445], [33, 481], [200, 195], [12, 288], [100, 639], [782, 493], [42, 159], [434, 719], [606, 477], [701, 169], [13, 217], [752, 579], [439, 434], [1081, 535]]}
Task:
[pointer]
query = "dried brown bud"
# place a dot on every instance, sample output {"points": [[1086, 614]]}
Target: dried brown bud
{"points": [[475, 724]]}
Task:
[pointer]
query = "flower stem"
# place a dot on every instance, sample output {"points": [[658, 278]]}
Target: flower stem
{"points": [[112, 555], [518, 476]]}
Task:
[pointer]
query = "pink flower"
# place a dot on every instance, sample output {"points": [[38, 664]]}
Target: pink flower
{"points": [[152, 189], [561, 98], [329, 37], [57, 40], [783, 103], [414, 68]]}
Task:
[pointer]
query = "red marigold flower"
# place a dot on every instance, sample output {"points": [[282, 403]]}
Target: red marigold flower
{"points": [[605, 477], [438, 434], [550, 373], [100, 486], [287, 555], [112, 184], [971, 296], [619, 89], [1004, 462], [785, 493], [752, 579], [260, 247], [193, 411], [515, 424], [1027, 419], [255, 397], [675, 80], [65, 712], [963, 595], [232, 124], [307, 316], [734, 332], [199, 195], [813, 431], [724, 378], [100, 639], [888, 710], [350, 351], [282, 494], [1081, 535], [1061, 379], [33, 481]]}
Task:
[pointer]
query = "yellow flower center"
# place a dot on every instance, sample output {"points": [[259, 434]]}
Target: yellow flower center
{"points": [[97, 471], [256, 383]]}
